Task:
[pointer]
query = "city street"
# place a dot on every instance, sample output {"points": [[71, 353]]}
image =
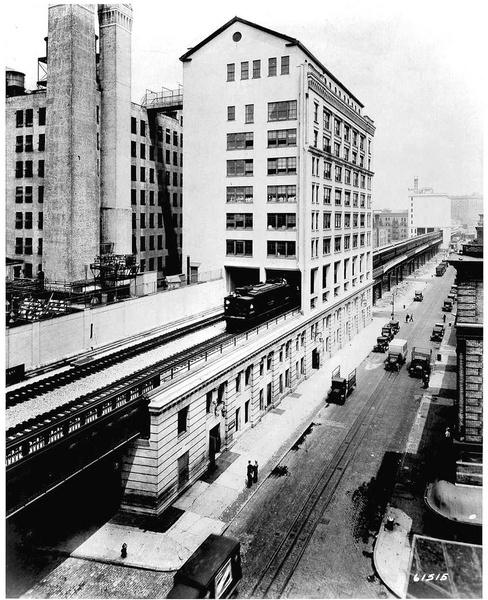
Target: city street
{"points": [[337, 562]]}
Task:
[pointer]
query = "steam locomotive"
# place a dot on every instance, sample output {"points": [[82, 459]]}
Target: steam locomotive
{"points": [[252, 304]]}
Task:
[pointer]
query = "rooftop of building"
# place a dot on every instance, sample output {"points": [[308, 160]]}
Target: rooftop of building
{"points": [[290, 42]]}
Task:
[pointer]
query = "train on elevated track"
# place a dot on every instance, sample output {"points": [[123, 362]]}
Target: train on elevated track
{"points": [[253, 304]]}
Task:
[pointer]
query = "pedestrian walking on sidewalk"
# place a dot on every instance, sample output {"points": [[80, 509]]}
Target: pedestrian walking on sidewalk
{"points": [[407, 318], [123, 551], [255, 472], [250, 473], [411, 318], [444, 317]]}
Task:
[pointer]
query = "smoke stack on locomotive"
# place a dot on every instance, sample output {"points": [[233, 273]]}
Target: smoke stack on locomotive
{"points": [[253, 304]]}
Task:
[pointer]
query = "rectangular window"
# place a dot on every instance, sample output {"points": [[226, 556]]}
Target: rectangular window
{"points": [[143, 128], [40, 194], [282, 111], [326, 246], [245, 70], [282, 221], [337, 244], [19, 118], [19, 194], [281, 249], [272, 65], [239, 168], [19, 246], [239, 221], [41, 143], [239, 248], [28, 143], [282, 137], [337, 220], [183, 420], [327, 170], [338, 174], [282, 193], [256, 69], [19, 220], [29, 117], [337, 127], [42, 116], [19, 169], [231, 72], [240, 194], [347, 198], [347, 242], [28, 168], [249, 113], [327, 195], [40, 220], [231, 113], [143, 151], [282, 166], [40, 168], [28, 246], [19, 143], [326, 220], [326, 119], [338, 197], [347, 176], [285, 65], [39, 247]]}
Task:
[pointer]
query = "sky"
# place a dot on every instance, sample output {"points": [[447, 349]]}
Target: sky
{"points": [[418, 67]]}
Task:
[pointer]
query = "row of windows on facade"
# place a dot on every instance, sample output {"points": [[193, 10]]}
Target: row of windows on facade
{"points": [[277, 111], [288, 138], [289, 220], [151, 243], [358, 179], [25, 194], [340, 129], [25, 118], [256, 68], [28, 145], [244, 167], [170, 136], [25, 220], [24, 246], [288, 194], [163, 195], [177, 156], [164, 177], [151, 222], [287, 249], [26, 168]]}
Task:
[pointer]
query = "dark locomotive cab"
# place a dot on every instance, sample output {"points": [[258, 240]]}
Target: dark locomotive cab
{"points": [[253, 304]]}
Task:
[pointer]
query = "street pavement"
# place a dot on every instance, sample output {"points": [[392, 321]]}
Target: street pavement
{"points": [[211, 503]]}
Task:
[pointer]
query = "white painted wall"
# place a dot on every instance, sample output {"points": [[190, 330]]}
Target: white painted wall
{"points": [[44, 342]]}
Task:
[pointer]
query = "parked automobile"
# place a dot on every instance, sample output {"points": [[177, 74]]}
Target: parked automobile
{"points": [[437, 333], [419, 296], [381, 344], [341, 388], [420, 363], [397, 355]]}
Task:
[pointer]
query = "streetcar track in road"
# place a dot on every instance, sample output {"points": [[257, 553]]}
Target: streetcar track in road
{"points": [[284, 560], [286, 557]]}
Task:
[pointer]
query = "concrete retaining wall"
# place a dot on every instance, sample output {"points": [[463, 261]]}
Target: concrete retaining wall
{"points": [[44, 342]]}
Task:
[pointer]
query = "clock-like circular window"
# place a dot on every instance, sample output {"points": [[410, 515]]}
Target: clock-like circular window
{"points": [[237, 36]]}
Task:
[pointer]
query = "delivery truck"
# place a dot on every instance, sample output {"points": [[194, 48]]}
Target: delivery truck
{"points": [[397, 355]]}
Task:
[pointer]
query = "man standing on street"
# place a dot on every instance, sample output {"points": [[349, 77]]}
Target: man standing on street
{"points": [[255, 472], [250, 473]]}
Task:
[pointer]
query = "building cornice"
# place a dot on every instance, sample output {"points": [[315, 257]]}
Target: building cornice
{"points": [[319, 88]]}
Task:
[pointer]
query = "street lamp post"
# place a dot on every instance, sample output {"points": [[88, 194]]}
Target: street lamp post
{"points": [[393, 306]]}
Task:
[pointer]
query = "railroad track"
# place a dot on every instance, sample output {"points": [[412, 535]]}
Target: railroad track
{"points": [[34, 389], [164, 370], [284, 560]]}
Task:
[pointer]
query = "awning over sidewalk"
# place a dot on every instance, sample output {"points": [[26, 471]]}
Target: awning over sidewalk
{"points": [[460, 503]]}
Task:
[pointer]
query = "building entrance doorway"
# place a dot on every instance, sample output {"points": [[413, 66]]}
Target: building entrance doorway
{"points": [[315, 359], [214, 444]]}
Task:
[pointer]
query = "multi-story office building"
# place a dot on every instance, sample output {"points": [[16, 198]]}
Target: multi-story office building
{"points": [[87, 170], [395, 223], [429, 211], [465, 212], [278, 166]]}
